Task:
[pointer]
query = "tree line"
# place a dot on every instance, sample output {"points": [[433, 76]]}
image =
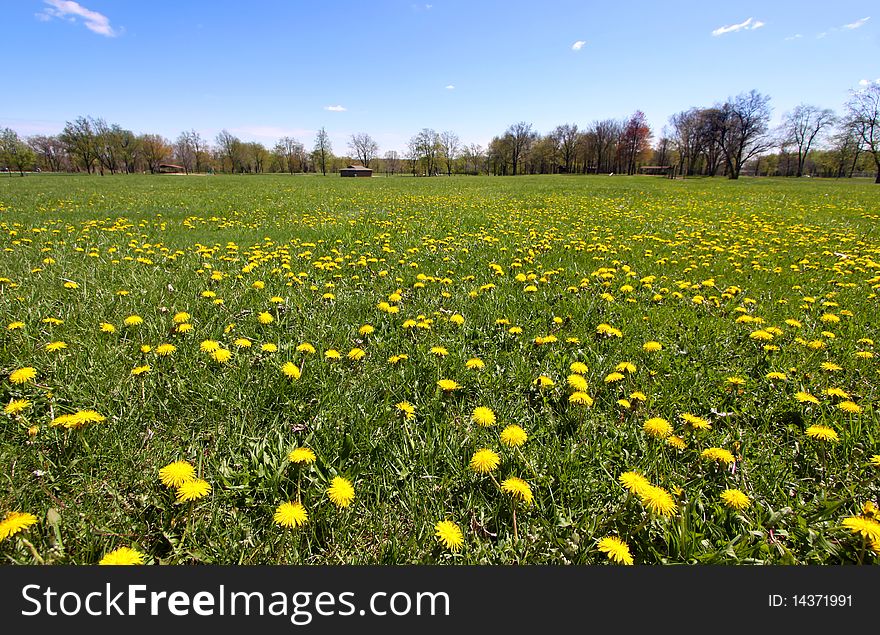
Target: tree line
{"points": [[725, 139]]}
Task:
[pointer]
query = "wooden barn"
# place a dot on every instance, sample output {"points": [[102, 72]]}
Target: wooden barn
{"points": [[355, 170]]}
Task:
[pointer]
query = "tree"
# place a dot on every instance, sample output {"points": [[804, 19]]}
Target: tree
{"points": [[230, 148], [744, 130], [863, 112], [197, 146], [14, 152], [78, 138], [183, 152], [392, 162], [290, 151], [363, 147], [520, 138], [323, 151], [802, 126], [50, 151], [449, 146], [423, 149], [156, 148], [634, 141], [567, 136], [605, 136]]}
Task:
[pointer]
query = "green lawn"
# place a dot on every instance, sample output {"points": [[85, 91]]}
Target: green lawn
{"points": [[735, 280]]}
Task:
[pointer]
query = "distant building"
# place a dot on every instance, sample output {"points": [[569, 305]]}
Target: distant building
{"points": [[170, 168], [355, 170]]}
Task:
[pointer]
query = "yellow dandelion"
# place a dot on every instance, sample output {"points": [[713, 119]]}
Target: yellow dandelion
{"points": [[221, 355], [209, 346], [301, 455], [17, 406], [122, 556], [483, 416], [718, 454], [192, 490], [805, 397], [291, 515], [448, 385], [332, 354], [484, 461], [513, 436], [366, 329], [776, 375], [697, 423], [578, 383], [133, 320], [449, 534], [658, 427], [865, 527], [269, 348], [181, 317], [439, 351], [291, 370], [518, 488], [140, 370], [676, 442], [408, 410], [54, 347], [340, 492], [850, 407], [616, 550], [658, 501], [625, 367], [544, 382], [305, 347], [613, 377], [265, 318], [474, 363], [579, 368], [176, 474], [15, 326], [356, 354], [735, 499], [634, 482], [242, 342], [822, 433], [164, 350], [15, 522], [652, 347], [580, 398]]}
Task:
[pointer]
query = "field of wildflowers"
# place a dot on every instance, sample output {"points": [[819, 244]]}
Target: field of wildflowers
{"points": [[278, 369]]}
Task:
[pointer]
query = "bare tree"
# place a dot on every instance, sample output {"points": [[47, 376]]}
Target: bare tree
{"points": [[449, 146], [863, 111], [605, 135], [802, 126], [229, 147], [567, 136], [183, 152], [634, 140], [363, 147], [322, 151], [521, 137], [744, 132], [49, 150], [392, 162]]}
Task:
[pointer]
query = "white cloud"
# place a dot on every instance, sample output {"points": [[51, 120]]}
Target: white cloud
{"points": [[577, 46], [748, 25], [450, 87], [856, 24], [336, 108], [868, 82], [821, 35], [796, 36], [70, 11]]}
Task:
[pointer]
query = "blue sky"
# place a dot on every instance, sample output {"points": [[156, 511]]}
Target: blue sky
{"points": [[265, 69]]}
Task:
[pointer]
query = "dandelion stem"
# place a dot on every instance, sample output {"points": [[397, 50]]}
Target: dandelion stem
{"points": [[40, 560], [515, 535]]}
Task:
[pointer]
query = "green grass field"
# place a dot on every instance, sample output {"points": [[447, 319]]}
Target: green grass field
{"points": [[747, 434]]}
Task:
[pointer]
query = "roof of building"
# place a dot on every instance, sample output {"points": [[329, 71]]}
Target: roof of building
{"points": [[357, 167]]}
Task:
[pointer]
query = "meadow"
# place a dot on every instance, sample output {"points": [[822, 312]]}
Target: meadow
{"points": [[465, 370]]}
